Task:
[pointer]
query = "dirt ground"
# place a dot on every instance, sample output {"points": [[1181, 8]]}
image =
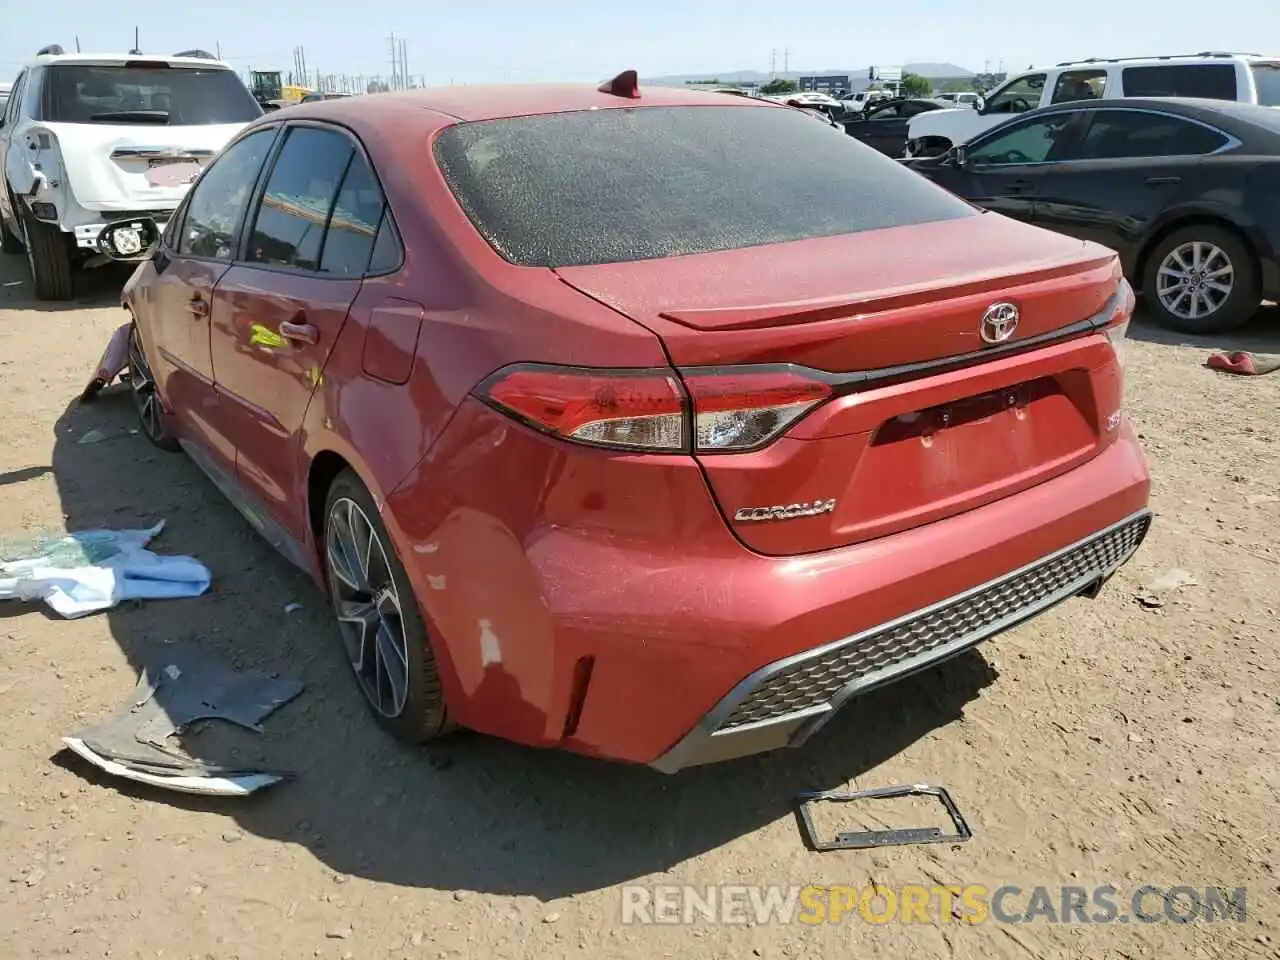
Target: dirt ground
{"points": [[1104, 743]]}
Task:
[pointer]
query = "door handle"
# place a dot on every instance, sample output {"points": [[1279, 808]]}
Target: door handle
{"points": [[1156, 181], [1021, 186], [300, 332], [198, 307]]}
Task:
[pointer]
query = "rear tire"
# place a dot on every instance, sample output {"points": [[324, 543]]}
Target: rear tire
{"points": [[48, 256], [383, 634], [1214, 258], [146, 399]]}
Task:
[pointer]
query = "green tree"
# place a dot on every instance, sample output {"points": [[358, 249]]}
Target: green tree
{"points": [[777, 86], [914, 85]]}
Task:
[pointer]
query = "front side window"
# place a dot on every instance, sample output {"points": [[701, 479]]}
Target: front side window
{"points": [[1266, 78], [1080, 85], [289, 228], [142, 92], [1211, 81], [1018, 96], [623, 184], [1116, 134], [217, 202], [1031, 142]]}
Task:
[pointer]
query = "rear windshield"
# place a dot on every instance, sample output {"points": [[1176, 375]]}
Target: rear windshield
{"points": [[616, 185], [177, 96], [1266, 77]]}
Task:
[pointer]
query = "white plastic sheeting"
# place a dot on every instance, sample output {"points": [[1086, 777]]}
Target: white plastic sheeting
{"points": [[93, 570]]}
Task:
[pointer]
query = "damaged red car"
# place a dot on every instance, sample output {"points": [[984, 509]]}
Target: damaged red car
{"points": [[645, 423]]}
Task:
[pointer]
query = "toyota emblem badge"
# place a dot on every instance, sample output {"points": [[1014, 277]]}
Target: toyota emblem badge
{"points": [[999, 322]]}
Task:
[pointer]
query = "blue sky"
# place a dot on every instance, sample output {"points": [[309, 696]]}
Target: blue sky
{"points": [[505, 40]]}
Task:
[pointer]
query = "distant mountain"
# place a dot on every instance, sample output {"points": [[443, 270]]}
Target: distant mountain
{"points": [[858, 75]]}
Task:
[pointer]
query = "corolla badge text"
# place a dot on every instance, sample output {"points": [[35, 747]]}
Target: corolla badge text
{"points": [[787, 511]]}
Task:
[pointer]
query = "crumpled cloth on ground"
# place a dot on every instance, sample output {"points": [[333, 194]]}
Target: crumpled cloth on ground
{"points": [[82, 573], [1244, 363]]}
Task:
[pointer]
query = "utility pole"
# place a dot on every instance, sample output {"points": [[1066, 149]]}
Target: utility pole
{"points": [[395, 63], [786, 61], [77, 44], [773, 63], [404, 63], [217, 46]]}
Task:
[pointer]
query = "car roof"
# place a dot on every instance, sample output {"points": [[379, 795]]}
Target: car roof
{"points": [[119, 59], [491, 102], [1178, 58]]}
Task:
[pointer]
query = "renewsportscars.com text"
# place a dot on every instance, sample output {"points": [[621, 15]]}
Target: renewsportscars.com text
{"points": [[910, 903]]}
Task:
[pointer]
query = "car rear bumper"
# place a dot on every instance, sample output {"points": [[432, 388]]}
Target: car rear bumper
{"points": [[788, 700], [600, 603]]}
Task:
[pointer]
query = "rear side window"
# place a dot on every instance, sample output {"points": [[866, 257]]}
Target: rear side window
{"points": [[348, 241], [146, 94], [386, 255], [1075, 85], [616, 185], [1266, 77], [1116, 134], [1213, 81], [300, 193]]}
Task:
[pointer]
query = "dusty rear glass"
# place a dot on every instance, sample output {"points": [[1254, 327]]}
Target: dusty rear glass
{"points": [[616, 185], [162, 95]]}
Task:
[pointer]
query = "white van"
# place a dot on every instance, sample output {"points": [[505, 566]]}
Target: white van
{"points": [[1244, 77]]}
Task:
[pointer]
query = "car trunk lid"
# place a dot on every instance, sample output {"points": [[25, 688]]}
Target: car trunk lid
{"points": [[929, 418]]}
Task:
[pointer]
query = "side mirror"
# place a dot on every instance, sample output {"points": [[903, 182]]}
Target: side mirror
{"points": [[129, 239]]}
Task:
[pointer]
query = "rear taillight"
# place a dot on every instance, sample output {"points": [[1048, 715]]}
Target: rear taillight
{"points": [[712, 410], [743, 409], [629, 409], [1117, 329]]}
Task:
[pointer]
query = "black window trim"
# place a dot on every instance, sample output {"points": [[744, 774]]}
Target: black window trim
{"points": [[1232, 141], [237, 233], [260, 187], [1073, 131]]}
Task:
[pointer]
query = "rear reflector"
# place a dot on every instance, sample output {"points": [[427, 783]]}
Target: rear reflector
{"points": [[724, 409]]}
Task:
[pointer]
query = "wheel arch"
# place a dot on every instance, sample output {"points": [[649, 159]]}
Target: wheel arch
{"points": [[1179, 221]]}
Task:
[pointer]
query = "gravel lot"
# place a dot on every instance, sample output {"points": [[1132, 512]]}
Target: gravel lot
{"points": [[1105, 743]]}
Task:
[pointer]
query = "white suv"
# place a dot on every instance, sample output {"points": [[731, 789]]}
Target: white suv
{"points": [[1246, 77], [86, 139]]}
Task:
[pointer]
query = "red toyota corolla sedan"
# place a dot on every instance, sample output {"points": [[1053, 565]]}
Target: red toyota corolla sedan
{"points": [[649, 424]]}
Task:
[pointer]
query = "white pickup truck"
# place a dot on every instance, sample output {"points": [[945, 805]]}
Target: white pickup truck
{"points": [[1245, 77]]}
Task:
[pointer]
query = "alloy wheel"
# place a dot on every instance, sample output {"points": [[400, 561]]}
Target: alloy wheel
{"points": [[1195, 280], [367, 605], [145, 399]]}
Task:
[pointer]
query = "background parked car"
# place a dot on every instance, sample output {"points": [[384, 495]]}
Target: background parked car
{"points": [[1242, 77], [884, 125], [1185, 190], [89, 138]]}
